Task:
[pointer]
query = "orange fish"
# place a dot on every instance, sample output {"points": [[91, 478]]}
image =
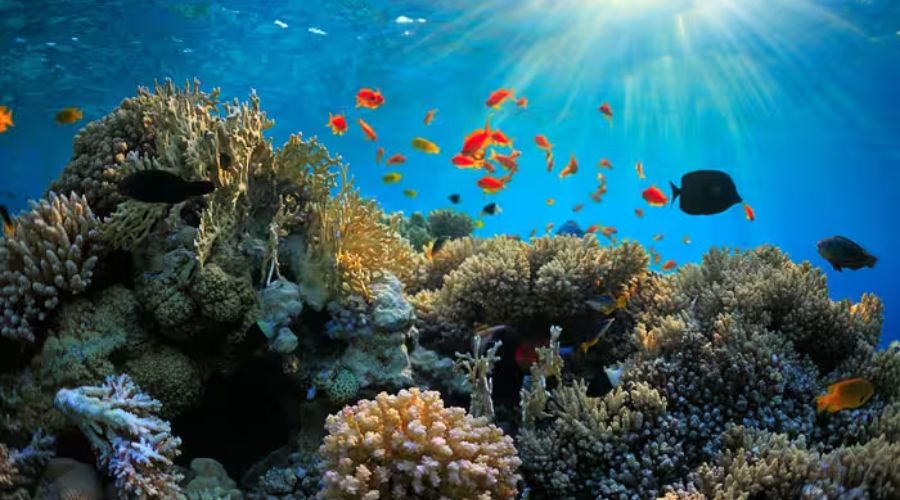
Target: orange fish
{"points": [[497, 98], [9, 225], [655, 197], [368, 98], [639, 212], [522, 103], [491, 185], [463, 161], [69, 115], [509, 162], [337, 123], [845, 395], [548, 157], [367, 129], [488, 166], [577, 208], [571, 167], [658, 237], [500, 139], [550, 202], [396, 159], [6, 119], [379, 155], [656, 257], [542, 142], [429, 116], [609, 231], [639, 168], [606, 110], [477, 140], [748, 211], [597, 195], [604, 163], [669, 265], [592, 228]]}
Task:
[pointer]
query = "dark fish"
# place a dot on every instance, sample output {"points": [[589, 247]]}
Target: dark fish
{"points": [[160, 186], [454, 198], [570, 228], [438, 244], [9, 227], [705, 192], [842, 252], [490, 209]]}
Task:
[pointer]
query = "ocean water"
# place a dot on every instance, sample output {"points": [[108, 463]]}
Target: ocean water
{"points": [[796, 99]]}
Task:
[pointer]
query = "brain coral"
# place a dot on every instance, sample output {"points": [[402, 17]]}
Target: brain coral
{"points": [[410, 446], [54, 251]]}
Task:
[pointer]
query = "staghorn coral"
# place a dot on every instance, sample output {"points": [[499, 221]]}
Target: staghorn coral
{"points": [[409, 445], [132, 444], [53, 252], [20, 468]]}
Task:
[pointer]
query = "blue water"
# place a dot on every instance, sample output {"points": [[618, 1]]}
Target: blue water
{"points": [[797, 99]]}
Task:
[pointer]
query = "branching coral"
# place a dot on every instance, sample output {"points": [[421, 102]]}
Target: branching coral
{"points": [[132, 444], [20, 468], [53, 252], [410, 446]]}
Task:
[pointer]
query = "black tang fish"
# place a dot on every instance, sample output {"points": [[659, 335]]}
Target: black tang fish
{"points": [[160, 186], [490, 209], [842, 252], [705, 192], [454, 198]]}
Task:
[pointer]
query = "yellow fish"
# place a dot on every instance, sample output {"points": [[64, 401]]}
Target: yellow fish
{"points": [[425, 146], [550, 202], [587, 344], [479, 223], [69, 115], [410, 193], [391, 178], [845, 394]]}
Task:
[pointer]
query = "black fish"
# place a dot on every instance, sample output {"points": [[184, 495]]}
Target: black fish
{"points": [[160, 186], [705, 192], [9, 227], [490, 209], [842, 252], [454, 198], [438, 244]]}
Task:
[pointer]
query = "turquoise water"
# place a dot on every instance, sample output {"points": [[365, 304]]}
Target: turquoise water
{"points": [[795, 98]]}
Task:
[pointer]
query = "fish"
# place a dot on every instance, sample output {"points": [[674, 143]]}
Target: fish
{"points": [[845, 395], [592, 228], [843, 252], [410, 193], [498, 97], [391, 177], [639, 168], [368, 98], [432, 248], [69, 115], [478, 224], [669, 265], [425, 146], [577, 208], [490, 209], [429, 116], [9, 226], [396, 159], [542, 142], [337, 124], [454, 198], [705, 192], [639, 212], [570, 228], [522, 103], [608, 231], [509, 162], [491, 185], [487, 331], [161, 186], [749, 213], [551, 202], [585, 346], [604, 163], [367, 129], [549, 227], [606, 304], [463, 161], [379, 155], [477, 140], [570, 169], [532, 233], [654, 196], [686, 240], [658, 237], [500, 139], [526, 353], [548, 157], [606, 109], [6, 119], [597, 194]]}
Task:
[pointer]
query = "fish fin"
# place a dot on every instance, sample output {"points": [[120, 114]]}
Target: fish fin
{"points": [[837, 267], [872, 260], [675, 192], [199, 188]]}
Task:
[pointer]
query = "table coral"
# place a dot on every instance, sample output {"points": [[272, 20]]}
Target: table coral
{"points": [[409, 445]]}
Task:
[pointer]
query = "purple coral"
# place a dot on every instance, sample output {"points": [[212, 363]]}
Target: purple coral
{"points": [[132, 444]]}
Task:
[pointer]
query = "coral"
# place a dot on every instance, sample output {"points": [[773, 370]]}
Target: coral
{"points": [[169, 376], [415, 229], [409, 445], [449, 224], [222, 297], [20, 468], [132, 444], [477, 366], [211, 481], [342, 387], [53, 252]]}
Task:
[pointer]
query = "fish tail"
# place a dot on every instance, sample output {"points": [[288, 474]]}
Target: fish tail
{"points": [[675, 192], [821, 403], [199, 188], [872, 260]]}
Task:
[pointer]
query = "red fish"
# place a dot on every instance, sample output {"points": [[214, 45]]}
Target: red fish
{"points": [[463, 161], [639, 168], [748, 211], [571, 167], [577, 208], [488, 166], [337, 123], [669, 265], [368, 98], [542, 142], [6, 119], [522, 103], [592, 228], [491, 185], [500, 139], [548, 157], [604, 163], [497, 97], [597, 195], [654, 196], [639, 212], [509, 162], [606, 110], [429, 116], [379, 155], [477, 140], [608, 231], [396, 159], [368, 130]]}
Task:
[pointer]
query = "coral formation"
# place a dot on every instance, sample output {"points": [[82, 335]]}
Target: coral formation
{"points": [[20, 468], [410, 446]]}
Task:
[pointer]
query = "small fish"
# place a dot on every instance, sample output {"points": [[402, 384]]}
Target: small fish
{"points": [[500, 139], [532, 233], [477, 140], [160, 186], [587, 344], [570, 228], [526, 354], [463, 161], [69, 115], [845, 395], [491, 185], [410, 193], [429, 116], [478, 223], [597, 194], [490, 209], [379, 155], [425, 146], [367, 129], [368, 98], [337, 124], [522, 103], [654, 196], [396, 159], [705, 192], [454, 198], [606, 110], [608, 231], [486, 332], [614, 373], [551, 202], [669, 265], [577, 208], [749, 213], [639, 168], [604, 163], [548, 157], [686, 240], [6, 118], [488, 166], [658, 237], [542, 142], [509, 162], [498, 97], [9, 226], [570, 169], [639, 212], [607, 304], [391, 177], [657, 258], [432, 248], [842, 252], [592, 228], [549, 227]]}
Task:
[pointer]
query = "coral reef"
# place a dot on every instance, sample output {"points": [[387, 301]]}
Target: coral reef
{"points": [[410, 446], [20, 468]]}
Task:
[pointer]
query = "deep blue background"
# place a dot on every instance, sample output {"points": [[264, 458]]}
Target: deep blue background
{"points": [[797, 99]]}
